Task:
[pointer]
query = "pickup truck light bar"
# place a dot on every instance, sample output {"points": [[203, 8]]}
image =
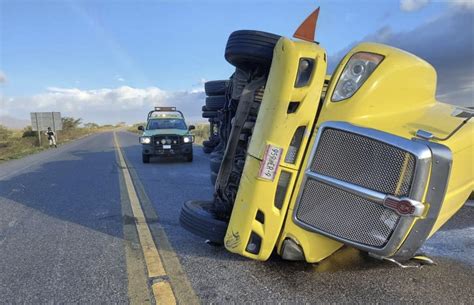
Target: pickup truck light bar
{"points": [[165, 108]]}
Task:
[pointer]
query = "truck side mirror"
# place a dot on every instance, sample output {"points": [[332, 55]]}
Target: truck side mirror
{"points": [[191, 127], [141, 128]]}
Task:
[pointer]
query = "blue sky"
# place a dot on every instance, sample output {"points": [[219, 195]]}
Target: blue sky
{"points": [[170, 45]]}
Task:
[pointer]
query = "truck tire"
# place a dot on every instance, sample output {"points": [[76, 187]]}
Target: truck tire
{"points": [[207, 150], [145, 158], [209, 114], [214, 103], [248, 49], [216, 87], [189, 157], [210, 143], [197, 218], [213, 178], [215, 164]]}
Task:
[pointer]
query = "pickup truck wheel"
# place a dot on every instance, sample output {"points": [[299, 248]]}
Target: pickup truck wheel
{"points": [[198, 218], [209, 114], [207, 150], [216, 87], [214, 103], [248, 49], [189, 157], [145, 158]]}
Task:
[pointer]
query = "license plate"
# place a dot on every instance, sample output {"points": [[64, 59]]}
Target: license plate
{"points": [[166, 146], [270, 163]]}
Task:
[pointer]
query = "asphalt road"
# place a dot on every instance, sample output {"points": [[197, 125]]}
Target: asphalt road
{"points": [[66, 237]]}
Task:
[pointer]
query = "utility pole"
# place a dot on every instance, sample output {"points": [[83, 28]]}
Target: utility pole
{"points": [[37, 129], [54, 127]]}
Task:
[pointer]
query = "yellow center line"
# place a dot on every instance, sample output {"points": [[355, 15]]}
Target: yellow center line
{"points": [[161, 289]]}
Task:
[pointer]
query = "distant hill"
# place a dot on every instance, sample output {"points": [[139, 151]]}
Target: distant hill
{"points": [[13, 123]]}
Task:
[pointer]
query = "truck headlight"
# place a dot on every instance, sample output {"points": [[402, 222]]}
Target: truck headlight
{"points": [[188, 139], [355, 73], [145, 140]]}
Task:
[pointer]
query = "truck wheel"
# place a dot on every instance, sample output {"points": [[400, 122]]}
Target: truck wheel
{"points": [[189, 157], [207, 150], [197, 217], [214, 103], [248, 49], [216, 87], [215, 164], [210, 143], [209, 114], [145, 158], [213, 178]]}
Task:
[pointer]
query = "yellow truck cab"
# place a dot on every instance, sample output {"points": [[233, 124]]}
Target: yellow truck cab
{"points": [[366, 157]]}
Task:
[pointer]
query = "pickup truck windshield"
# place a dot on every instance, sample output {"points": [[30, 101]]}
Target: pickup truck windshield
{"points": [[166, 124]]}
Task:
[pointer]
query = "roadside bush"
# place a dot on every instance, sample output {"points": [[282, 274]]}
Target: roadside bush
{"points": [[70, 123], [28, 132], [201, 132], [91, 125], [5, 133], [134, 127]]}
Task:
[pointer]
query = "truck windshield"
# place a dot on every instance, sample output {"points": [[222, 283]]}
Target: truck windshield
{"points": [[166, 124]]}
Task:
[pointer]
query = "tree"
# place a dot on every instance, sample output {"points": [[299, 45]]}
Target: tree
{"points": [[70, 123], [91, 125]]}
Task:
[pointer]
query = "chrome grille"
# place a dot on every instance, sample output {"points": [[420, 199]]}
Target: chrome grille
{"points": [[364, 161], [350, 173], [345, 215]]}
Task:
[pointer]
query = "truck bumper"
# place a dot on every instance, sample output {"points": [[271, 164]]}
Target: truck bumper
{"points": [[174, 150]]}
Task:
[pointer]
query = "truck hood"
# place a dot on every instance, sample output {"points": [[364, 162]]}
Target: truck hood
{"points": [[155, 132]]}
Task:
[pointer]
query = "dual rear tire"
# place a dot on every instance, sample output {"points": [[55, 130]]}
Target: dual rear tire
{"points": [[248, 51]]}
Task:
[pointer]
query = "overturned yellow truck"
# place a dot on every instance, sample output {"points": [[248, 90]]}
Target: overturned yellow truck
{"points": [[366, 158]]}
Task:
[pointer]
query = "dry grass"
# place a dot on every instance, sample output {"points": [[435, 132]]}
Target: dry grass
{"points": [[15, 146], [201, 133]]}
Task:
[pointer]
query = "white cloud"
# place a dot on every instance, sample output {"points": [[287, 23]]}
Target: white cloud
{"points": [[446, 42], [106, 105], [3, 77], [412, 5], [465, 4], [119, 78]]}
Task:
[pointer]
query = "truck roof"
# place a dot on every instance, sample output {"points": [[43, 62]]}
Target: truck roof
{"points": [[165, 112], [165, 115]]}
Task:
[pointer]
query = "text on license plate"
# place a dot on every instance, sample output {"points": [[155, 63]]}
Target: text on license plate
{"points": [[166, 146], [270, 162]]}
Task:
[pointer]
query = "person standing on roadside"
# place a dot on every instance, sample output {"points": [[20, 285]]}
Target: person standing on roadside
{"points": [[51, 137]]}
